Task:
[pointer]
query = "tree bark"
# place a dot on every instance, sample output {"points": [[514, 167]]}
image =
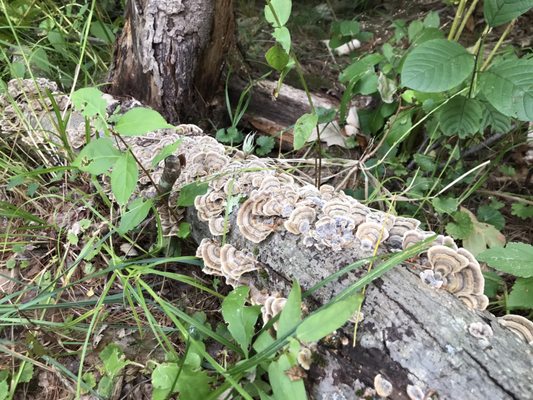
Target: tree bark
{"points": [[171, 53]]}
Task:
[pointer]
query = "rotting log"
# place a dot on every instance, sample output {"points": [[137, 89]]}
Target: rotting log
{"points": [[411, 334]]}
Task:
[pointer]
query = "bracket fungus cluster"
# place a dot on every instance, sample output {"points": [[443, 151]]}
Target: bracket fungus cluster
{"points": [[520, 326], [457, 271], [226, 261]]}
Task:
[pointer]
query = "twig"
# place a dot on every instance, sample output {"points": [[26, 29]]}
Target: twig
{"points": [[506, 196]]}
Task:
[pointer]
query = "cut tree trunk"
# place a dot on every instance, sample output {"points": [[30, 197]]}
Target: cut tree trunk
{"points": [[170, 54]]}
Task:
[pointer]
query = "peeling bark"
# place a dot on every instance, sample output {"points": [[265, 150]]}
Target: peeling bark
{"points": [[170, 54]]}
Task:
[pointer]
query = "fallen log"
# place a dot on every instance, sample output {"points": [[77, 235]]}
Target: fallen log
{"points": [[411, 334]]}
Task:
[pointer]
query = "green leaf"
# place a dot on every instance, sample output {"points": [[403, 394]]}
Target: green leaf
{"points": [[124, 178], [482, 235], [192, 383], [462, 227], [265, 144], [291, 314], [282, 386], [282, 9], [102, 31], [189, 192], [498, 122], [436, 65], [445, 205], [89, 102], [522, 210], [326, 320], [498, 12], [114, 359], [346, 28], [4, 389], [184, 229], [283, 37], [97, 156], [432, 20], [138, 209], [400, 124], [461, 116], [490, 215], [515, 259], [230, 135], [139, 121], [414, 29], [522, 294], [508, 86], [277, 58], [240, 318], [360, 67], [105, 387], [303, 128], [493, 283], [27, 373], [368, 84], [425, 162], [166, 151]]}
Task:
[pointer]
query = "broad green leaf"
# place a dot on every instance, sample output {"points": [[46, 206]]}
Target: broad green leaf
{"points": [[124, 178], [400, 124], [192, 383], [522, 294], [139, 121], [240, 318], [184, 229], [282, 9], [498, 12], [425, 162], [515, 259], [231, 135], [283, 37], [166, 151], [326, 320], [189, 192], [105, 387], [4, 390], [445, 205], [368, 84], [114, 359], [282, 386], [102, 31], [89, 102], [346, 28], [461, 116], [498, 122], [27, 373], [138, 209], [263, 341], [490, 215], [432, 20], [291, 314], [97, 156], [462, 226], [426, 35], [360, 67], [493, 283], [436, 65], [415, 28], [508, 86], [522, 210], [481, 236], [277, 58], [303, 128]]}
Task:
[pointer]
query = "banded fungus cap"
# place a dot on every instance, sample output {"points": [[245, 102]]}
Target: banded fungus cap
{"points": [[209, 251], [480, 330], [336, 207], [474, 301], [385, 219], [304, 358], [446, 260], [370, 233], [520, 326], [300, 220], [252, 227], [235, 263], [413, 237], [415, 393], [218, 226]]}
